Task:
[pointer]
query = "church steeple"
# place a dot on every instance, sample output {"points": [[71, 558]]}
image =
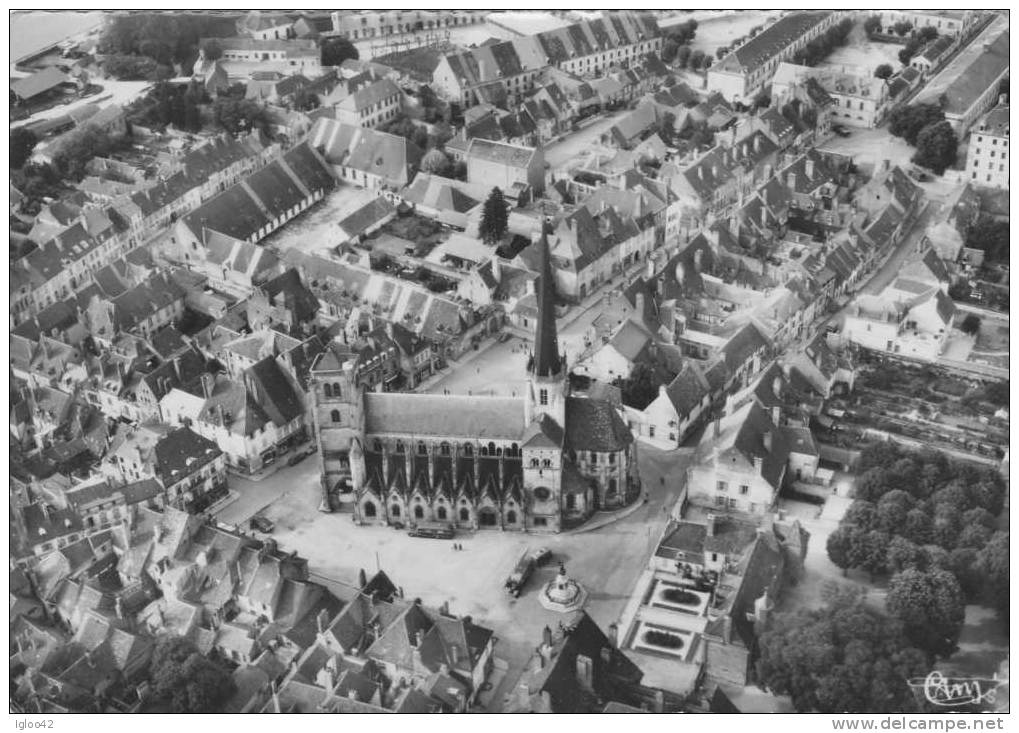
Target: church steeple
{"points": [[546, 361]]}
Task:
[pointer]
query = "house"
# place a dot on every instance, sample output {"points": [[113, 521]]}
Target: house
{"points": [[191, 468], [370, 105], [48, 81], [933, 54], [740, 463], [285, 302], [630, 344], [917, 327], [367, 220], [577, 669], [519, 171], [859, 98], [987, 153], [680, 406], [368, 158], [741, 74]]}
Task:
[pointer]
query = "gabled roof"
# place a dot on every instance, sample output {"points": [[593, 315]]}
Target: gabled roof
{"points": [[388, 156], [594, 425]]}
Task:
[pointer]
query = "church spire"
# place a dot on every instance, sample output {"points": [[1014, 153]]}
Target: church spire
{"points": [[546, 360]]}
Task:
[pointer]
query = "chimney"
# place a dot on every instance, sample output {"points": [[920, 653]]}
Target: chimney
{"points": [[776, 414], [546, 636], [766, 439], [649, 268], [718, 427], [207, 382], [698, 256], [809, 166], [389, 329], [496, 269], [585, 672], [639, 300], [419, 637], [444, 608], [791, 181], [322, 620], [176, 367], [758, 464], [712, 519], [613, 635]]}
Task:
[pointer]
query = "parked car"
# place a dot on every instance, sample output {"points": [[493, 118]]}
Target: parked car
{"points": [[262, 524], [433, 530], [298, 457], [541, 556], [840, 131]]}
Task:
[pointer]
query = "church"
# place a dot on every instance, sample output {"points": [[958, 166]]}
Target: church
{"points": [[541, 462]]}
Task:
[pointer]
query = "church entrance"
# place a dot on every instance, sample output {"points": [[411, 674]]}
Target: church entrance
{"points": [[487, 518]]}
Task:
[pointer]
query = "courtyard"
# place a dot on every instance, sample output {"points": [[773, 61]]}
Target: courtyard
{"points": [[316, 229], [863, 53]]}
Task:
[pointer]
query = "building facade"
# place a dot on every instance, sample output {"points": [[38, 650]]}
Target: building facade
{"points": [[987, 154]]}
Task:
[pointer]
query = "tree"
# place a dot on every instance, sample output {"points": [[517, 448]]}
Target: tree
{"points": [[947, 524], [902, 28], [884, 71], [83, 145], [131, 68], [762, 100], [842, 546], [721, 51], [872, 553], [185, 679], [845, 657], [929, 604], [918, 528], [435, 162], [893, 508], [684, 32], [669, 49], [22, 144], [997, 393], [936, 147], [962, 562], [872, 484], [494, 217], [337, 50], [239, 115], [306, 100], [991, 237], [903, 554], [862, 514], [696, 59], [872, 25], [927, 34], [974, 536], [992, 563], [907, 122], [212, 49], [970, 324], [683, 55], [641, 387]]}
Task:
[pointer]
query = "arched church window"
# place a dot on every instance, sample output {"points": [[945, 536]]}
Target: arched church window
{"points": [[377, 446], [419, 512], [336, 389], [444, 448], [399, 446], [422, 448], [328, 390], [335, 415], [369, 510]]}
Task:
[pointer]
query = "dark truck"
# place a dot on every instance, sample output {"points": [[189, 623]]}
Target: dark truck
{"points": [[521, 572]]}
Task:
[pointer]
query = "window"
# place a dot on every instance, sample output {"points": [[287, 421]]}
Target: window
{"points": [[422, 448], [543, 396], [613, 486], [651, 431], [394, 511], [491, 449], [419, 512], [593, 457], [377, 446], [612, 459], [719, 501], [714, 557], [571, 501], [444, 449], [722, 486], [399, 446], [328, 390], [546, 463], [744, 489], [335, 415], [534, 463], [441, 513], [465, 514], [511, 517], [468, 449], [369, 510], [732, 503]]}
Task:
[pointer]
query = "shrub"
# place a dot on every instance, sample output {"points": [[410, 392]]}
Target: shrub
{"points": [[663, 639]]}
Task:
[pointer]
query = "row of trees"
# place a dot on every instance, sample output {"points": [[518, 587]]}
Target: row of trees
{"points": [[170, 104], [819, 49], [917, 40], [685, 57], [187, 681], [924, 126]]}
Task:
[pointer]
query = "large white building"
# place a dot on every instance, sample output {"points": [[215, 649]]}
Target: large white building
{"points": [[987, 155]]}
